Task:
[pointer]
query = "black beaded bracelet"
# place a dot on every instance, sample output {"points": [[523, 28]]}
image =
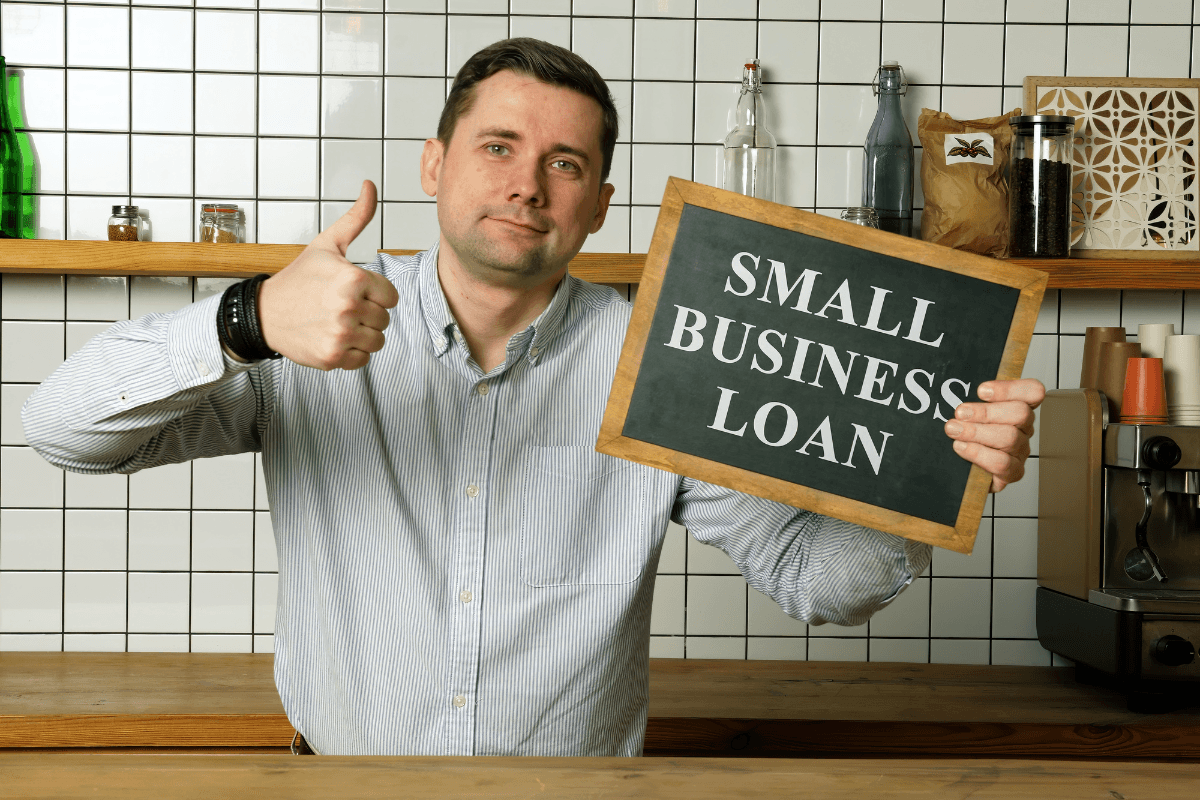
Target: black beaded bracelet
{"points": [[238, 325]]}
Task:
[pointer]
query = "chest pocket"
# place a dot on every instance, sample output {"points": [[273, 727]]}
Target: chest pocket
{"points": [[584, 518]]}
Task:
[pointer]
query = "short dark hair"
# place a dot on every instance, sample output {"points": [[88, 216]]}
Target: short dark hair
{"points": [[548, 63]]}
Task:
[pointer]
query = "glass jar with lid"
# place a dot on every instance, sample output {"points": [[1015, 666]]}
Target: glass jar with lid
{"points": [[861, 215], [222, 223], [1039, 186], [126, 224]]}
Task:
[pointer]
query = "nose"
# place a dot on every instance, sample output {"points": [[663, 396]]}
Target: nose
{"points": [[527, 183]]}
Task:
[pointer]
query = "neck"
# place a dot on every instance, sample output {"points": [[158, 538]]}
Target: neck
{"points": [[490, 314]]}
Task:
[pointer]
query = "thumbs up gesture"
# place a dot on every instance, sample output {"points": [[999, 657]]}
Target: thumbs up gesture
{"points": [[323, 311]]}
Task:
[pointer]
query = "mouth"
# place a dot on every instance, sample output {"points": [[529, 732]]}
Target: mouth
{"points": [[527, 226]]}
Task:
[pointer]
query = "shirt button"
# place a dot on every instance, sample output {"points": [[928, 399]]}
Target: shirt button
{"points": [[458, 337], [472, 491], [202, 368], [483, 387], [465, 596], [459, 700], [533, 351]]}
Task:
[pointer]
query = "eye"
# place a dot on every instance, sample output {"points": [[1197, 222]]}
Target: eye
{"points": [[497, 149], [564, 165]]}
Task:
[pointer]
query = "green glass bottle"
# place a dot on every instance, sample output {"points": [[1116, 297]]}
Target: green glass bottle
{"points": [[29, 171], [10, 166]]}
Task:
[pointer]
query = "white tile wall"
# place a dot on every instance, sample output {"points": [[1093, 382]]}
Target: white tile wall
{"points": [[284, 106]]}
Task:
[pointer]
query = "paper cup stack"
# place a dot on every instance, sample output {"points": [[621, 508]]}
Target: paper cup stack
{"points": [[1181, 368]]}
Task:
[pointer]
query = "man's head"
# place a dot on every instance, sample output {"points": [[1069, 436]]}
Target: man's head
{"points": [[548, 63], [518, 172]]}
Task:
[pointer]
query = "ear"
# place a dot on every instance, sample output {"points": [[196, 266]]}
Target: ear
{"points": [[606, 193], [431, 165]]}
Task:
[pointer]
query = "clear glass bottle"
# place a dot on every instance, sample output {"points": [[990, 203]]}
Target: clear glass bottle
{"points": [[749, 158], [1039, 186], [125, 224], [222, 223], [861, 215], [888, 155]]}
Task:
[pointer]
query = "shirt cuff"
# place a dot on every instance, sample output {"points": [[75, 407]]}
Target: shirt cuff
{"points": [[194, 348]]}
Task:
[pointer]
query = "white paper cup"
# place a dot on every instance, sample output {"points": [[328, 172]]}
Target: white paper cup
{"points": [[1153, 338], [1181, 370]]}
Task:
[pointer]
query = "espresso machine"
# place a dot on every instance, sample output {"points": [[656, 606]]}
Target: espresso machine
{"points": [[1119, 550]]}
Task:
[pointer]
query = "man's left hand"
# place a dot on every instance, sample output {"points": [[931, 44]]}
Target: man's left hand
{"points": [[995, 433]]}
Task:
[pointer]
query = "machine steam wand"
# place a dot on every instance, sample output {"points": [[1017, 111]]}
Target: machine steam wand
{"points": [[1141, 563]]}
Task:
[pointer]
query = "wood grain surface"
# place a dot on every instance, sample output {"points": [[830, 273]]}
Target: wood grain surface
{"points": [[49, 256], [134, 777], [697, 708]]}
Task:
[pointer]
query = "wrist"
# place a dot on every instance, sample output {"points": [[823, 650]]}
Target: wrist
{"points": [[233, 355], [238, 324]]}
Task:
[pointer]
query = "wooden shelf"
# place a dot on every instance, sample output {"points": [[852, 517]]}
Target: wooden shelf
{"points": [[242, 260]]}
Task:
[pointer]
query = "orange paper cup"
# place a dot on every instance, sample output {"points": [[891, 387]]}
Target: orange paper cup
{"points": [[1145, 398]]}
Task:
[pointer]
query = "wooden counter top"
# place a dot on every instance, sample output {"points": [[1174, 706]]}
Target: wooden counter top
{"points": [[32, 776], [697, 707]]}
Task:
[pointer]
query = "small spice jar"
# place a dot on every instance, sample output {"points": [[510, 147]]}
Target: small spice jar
{"points": [[862, 215], [1039, 186], [222, 223], [125, 225]]}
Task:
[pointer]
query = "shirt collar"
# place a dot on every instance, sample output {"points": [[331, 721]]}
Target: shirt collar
{"points": [[441, 324]]}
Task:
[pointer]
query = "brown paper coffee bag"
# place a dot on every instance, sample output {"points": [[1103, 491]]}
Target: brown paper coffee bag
{"points": [[963, 167]]}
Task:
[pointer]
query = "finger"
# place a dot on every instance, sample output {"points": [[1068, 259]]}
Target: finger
{"points": [[348, 226], [353, 359], [1013, 412], [372, 316], [379, 290], [1003, 468], [1004, 438], [368, 340], [1026, 390]]}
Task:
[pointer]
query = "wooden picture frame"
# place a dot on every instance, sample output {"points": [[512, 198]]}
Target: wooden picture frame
{"points": [[698, 206], [1135, 147]]}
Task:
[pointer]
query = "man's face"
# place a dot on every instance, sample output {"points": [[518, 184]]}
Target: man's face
{"points": [[518, 188]]}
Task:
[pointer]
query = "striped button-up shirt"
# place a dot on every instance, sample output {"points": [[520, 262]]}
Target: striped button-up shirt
{"points": [[460, 572]]}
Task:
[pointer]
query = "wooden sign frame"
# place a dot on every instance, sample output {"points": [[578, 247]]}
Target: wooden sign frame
{"points": [[679, 193]]}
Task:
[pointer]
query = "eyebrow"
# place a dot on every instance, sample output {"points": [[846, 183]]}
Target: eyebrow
{"points": [[504, 133]]}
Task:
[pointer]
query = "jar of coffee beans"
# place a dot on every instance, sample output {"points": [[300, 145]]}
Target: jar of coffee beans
{"points": [[222, 223], [125, 224], [1039, 186]]}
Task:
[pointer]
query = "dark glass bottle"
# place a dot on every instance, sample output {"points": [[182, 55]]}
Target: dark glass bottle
{"points": [[29, 170], [10, 166], [888, 155]]}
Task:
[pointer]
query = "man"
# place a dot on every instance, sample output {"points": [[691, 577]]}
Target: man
{"points": [[459, 571]]}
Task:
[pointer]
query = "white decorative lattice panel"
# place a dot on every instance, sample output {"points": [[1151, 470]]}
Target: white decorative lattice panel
{"points": [[1135, 154]]}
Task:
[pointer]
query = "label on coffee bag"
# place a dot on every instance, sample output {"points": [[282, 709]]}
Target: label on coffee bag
{"points": [[975, 147]]}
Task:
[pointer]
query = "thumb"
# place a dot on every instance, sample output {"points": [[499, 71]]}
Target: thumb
{"points": [[348, 226]]}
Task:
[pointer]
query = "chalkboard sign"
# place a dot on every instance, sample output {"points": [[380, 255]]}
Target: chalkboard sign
{"points": [[814, 362]]}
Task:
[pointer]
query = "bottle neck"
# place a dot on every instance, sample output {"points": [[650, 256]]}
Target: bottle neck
{"points": [[751, 110], [6, 122], [891, 85]]}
